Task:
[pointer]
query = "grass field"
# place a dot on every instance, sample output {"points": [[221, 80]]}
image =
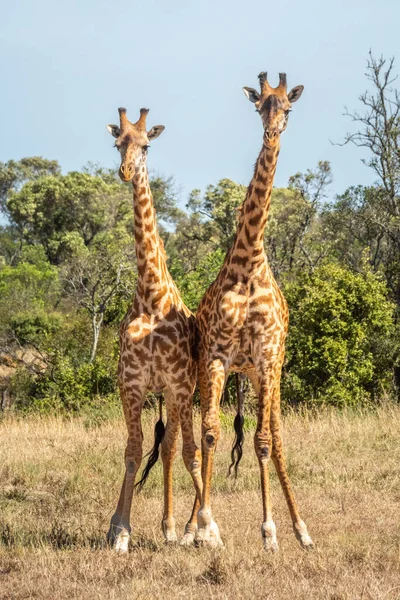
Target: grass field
{"points": [[59, 481]]}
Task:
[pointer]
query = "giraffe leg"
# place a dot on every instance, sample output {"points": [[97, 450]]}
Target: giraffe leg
{"points": [[168, 451], [192, 459], [120, 529], [191, 525], [263, 448], [278, 458], [211, 381], [115, 519]]}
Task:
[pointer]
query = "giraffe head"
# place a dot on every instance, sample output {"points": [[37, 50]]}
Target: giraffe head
{"points": [[273, 104], [132, 142]]}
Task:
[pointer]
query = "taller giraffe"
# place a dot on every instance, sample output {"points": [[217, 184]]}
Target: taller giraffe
{"points": [[157, 339], [243, 322]]}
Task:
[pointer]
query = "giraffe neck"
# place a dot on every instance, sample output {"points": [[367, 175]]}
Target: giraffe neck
{"points": [[150, 253], [247, 251]]}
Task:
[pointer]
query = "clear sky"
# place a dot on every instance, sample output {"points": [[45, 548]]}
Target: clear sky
{"points": [[67, 66]]}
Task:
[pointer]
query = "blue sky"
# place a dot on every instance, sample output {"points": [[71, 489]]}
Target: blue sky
{"points": [[67, 67]]}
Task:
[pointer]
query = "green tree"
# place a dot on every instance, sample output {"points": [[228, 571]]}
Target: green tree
{"points": [[46, 211], [217, 210], [13, 174], [95, 276], [194, 284], [29, 293]]}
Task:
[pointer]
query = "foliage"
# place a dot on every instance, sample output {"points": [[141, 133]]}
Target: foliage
{"points": [[13, 174], [219, 207], [28, 294], [340, 345], [95, 277], [194, 284], [48, 210]]}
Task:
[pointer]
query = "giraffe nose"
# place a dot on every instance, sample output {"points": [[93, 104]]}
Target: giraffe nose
{"points": [[126, 171]]}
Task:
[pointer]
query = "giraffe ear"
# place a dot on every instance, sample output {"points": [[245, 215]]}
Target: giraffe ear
{"points": [[295, 93], [155, 132], [114, 130], [251, 94]]}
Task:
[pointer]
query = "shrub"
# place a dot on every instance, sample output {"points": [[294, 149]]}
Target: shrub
{"points": [[340, 348]]}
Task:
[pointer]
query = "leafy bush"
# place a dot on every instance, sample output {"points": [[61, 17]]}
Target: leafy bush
{"points": [[340, 348], [64, 387]]}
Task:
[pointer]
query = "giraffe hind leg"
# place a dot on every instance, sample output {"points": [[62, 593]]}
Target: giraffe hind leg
{"points": [[168, 451], [278, 458], [262, 446]]}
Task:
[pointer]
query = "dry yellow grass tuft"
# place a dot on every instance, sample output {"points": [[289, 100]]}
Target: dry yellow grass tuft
{"points": [[59, 481]]}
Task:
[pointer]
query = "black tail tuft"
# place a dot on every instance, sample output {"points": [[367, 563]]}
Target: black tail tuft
{"points": [[159, 432], [238, 424], [237, 448]]}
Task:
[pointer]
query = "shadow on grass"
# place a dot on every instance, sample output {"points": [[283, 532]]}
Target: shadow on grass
{"points": [[57, 537], [60, 537]]}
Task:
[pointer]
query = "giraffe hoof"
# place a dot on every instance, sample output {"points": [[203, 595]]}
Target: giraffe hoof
{"points": [[169, 532], [305, 541], [271, 545], [202, 537], [215, 538], [121, 543], [188, 539], [118, 538], [302, 535], [209, 536], [170, 537], [268, 533]]}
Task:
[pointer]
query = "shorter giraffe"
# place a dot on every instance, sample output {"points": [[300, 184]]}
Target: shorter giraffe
{"points": [[243, 321], [157, 342]]}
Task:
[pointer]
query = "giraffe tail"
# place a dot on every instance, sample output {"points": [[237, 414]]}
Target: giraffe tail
{"points": [[159, 432], [238, 424]]}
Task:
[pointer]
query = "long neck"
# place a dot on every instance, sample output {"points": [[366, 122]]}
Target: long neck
{"points": [[248, 247], [149, 247]]}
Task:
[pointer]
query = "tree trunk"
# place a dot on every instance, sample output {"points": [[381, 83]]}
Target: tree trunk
{"points": [[96, 326]]}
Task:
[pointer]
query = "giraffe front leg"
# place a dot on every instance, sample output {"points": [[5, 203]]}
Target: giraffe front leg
{"points": [[192, 459], [115, 519], [191, 526], [211, 383], [120, 528]]}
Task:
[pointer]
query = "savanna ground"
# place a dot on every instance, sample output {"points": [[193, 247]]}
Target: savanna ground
{"points": [[59, 481]]}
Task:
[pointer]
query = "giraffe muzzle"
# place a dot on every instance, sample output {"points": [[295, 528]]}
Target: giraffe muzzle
{"points": [[126, 172], [271, 137]]}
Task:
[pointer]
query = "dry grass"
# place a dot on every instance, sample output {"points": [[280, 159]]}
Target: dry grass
{"points": [[59, 481]]}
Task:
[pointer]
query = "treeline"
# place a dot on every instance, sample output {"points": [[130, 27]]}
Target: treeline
{"points": [[67, 270]]}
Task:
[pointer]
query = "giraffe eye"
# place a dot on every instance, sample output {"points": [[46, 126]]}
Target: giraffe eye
{"points": [[145, 148]]}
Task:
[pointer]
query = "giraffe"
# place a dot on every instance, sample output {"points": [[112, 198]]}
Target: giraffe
{"points": [[243, 321], [157, 346]]}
